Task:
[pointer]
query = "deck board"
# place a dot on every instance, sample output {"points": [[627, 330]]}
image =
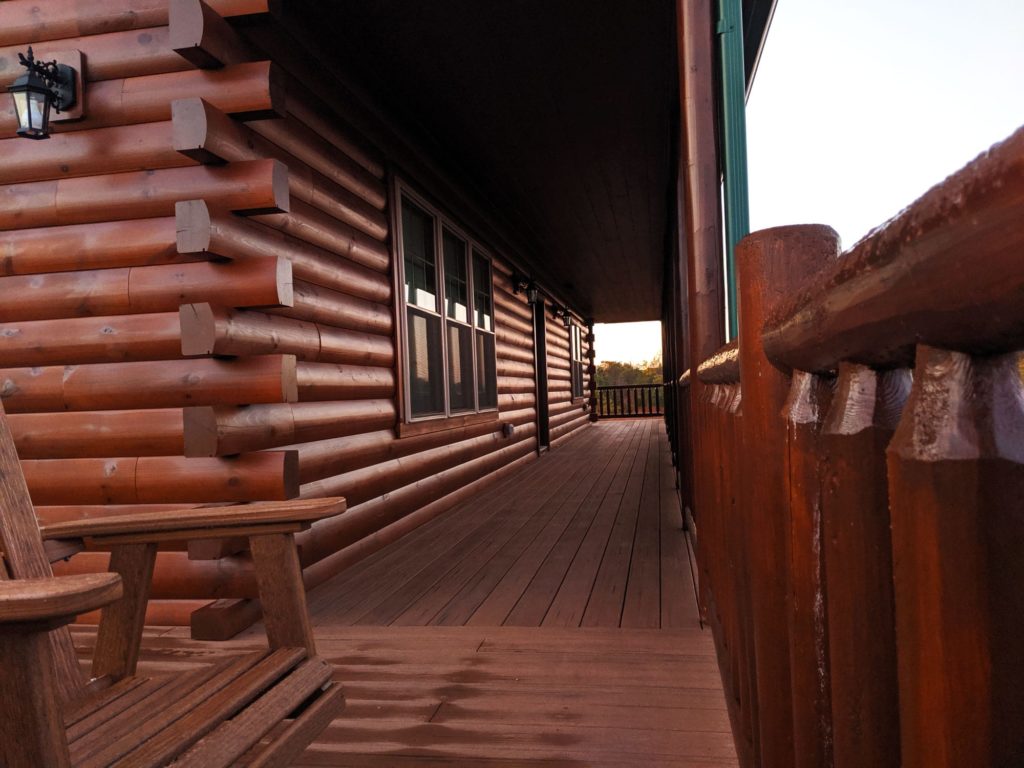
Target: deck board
{"points": [[498, 634]]}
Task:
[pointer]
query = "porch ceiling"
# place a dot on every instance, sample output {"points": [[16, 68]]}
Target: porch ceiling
{"points": [[558, 114]]}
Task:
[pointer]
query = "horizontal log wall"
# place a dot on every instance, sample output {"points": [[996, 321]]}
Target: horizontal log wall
{"points": [[198, 301], [566, 413]]}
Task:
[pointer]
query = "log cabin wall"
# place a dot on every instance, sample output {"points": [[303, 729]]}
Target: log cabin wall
{"points": [[566, 413], [198, 302]]}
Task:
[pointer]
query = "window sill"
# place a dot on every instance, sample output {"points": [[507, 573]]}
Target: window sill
{"points": [[413, 428]]}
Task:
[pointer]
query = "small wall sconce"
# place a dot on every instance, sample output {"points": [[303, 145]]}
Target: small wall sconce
{"points": [[521, 283], [563, 312], [45, 85]]}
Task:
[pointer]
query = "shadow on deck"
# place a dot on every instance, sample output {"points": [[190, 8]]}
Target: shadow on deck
{"points": [[548, 620]]}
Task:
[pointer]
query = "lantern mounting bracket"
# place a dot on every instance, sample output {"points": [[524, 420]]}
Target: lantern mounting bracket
{"points": [[59, 78]]}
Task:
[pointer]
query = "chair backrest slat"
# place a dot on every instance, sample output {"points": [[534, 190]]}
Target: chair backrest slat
{"points": [[24, 554]]}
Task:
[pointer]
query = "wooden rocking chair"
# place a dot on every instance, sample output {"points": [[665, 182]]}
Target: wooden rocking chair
{"points": [[267, 706]]}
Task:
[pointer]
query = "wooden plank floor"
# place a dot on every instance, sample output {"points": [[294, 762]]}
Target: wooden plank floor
{"points": [[548, 621], [589, 535]]}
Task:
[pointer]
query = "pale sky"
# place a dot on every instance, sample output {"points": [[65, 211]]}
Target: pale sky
{"points": [[859, 107]]}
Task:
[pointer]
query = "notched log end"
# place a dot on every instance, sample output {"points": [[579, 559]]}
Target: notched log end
{"points": [[200, 430], [962, 408], [193, 227], [190, 131], [198, 329], [289, 379], [803, 403]]}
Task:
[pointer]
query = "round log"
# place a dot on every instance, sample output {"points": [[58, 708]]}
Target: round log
{"points": [[510, 384], [89, 153], [316, 304], [165, 384], [204, 133], [316, 227], [363, 484], [90, 246], [156, 432], [324, 381], [266, 476], [231, 237], [210, 330], [304, 143], [254, 283], [28, 21], [260, 185], [243, 90], [225, 430], [91, 340]]}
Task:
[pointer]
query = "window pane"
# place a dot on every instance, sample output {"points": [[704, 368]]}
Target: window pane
{"points": [[420, 261], [483, 305], [426, 380], [460, 367], [577, 361], [456, 278], [486, 373]]}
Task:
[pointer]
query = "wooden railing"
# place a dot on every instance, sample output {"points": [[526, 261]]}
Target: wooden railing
{"points": [[630, 400], [859, 486]]}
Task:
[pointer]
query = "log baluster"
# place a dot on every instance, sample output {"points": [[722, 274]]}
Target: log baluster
{"points": [[808, 630], [956, 491], [858, 565]]}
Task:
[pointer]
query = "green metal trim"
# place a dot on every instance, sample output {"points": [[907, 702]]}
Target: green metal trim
{"points": [[734, 145]]}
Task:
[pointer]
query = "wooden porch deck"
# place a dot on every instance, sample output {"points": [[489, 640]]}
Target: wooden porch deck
{"points": [[549, 620]]}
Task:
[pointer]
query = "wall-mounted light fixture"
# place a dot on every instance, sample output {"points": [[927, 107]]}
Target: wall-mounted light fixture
{"points": [[563, 312], [521, 283], [45, 85]]}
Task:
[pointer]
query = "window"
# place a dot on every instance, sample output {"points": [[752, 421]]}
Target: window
{"points": [[449, 317], [576, 351]]}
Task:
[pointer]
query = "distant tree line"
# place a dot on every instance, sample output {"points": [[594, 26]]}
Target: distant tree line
{"points": [[611, 373]]}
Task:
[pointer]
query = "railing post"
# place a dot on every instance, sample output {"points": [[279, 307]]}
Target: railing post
{"points": [[858, 565], [592, 372], [772, 263], [956, 491]]}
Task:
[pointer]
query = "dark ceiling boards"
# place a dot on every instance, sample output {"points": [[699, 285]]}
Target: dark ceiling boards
{"points": [[558, 115]]}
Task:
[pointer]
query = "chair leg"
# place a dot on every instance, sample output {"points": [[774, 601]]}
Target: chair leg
{"points": [[121, 623], [31, 726], [282, 593]]}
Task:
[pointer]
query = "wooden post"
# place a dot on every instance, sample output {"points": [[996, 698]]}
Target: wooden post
{"points": [[858, 565], [699, 229], [808, 627], [771, 264], [956, 491]]}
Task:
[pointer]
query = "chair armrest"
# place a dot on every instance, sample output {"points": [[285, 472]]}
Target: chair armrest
{"points": [[199, 522], [57, 599]]}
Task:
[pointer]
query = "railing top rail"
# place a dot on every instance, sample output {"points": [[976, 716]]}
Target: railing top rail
{"points": [[631, 386], [946, 271], [723, 367]]}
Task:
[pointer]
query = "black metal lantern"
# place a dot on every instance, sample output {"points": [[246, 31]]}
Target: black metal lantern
{"points": [[532, 293], [44, 86], [559, 310]]}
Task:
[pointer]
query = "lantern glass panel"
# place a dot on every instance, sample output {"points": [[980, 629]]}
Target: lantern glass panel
{"points": [[32, 107]]}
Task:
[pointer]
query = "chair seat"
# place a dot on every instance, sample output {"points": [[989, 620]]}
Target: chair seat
{"points": [[207, 717]]}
